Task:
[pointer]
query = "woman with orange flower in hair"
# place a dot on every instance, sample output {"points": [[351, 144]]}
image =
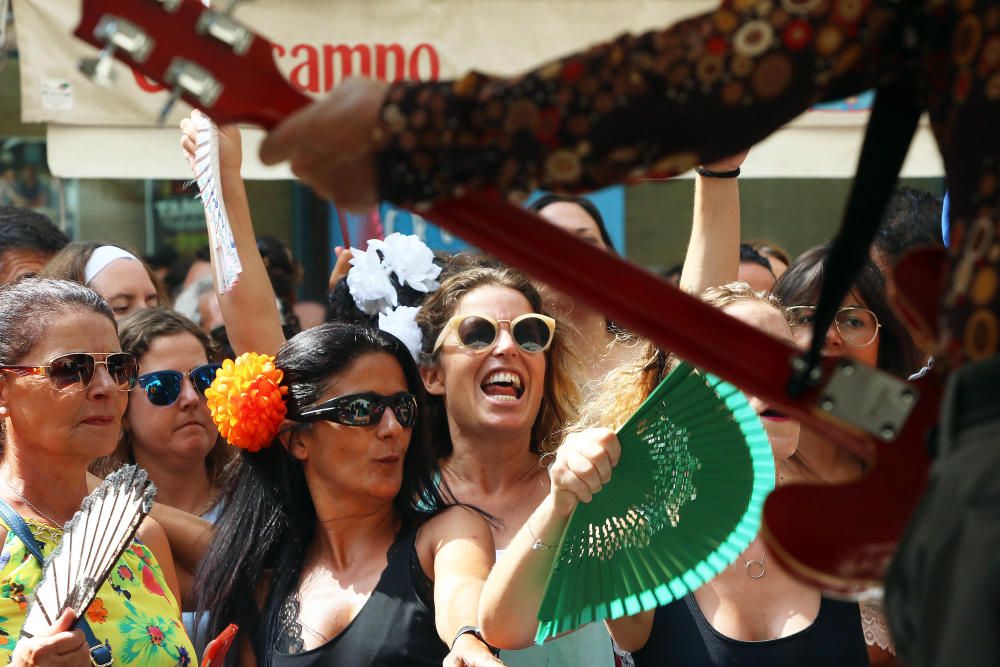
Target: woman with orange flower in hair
{"points": [[335, 546]]}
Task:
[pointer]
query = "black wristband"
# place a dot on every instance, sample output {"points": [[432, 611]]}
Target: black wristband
{"points": [[474, 631], [702, 171]]}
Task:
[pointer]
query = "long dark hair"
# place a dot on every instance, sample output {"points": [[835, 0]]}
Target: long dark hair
{"points": [[269, 519], [800, 285], [584, 203]]}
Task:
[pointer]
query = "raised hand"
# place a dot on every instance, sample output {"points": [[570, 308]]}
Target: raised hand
{"points": [[583, 465], [230, 144], [331, 144]]}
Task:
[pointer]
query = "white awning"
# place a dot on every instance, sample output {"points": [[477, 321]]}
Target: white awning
{"points": [[100, 133]]}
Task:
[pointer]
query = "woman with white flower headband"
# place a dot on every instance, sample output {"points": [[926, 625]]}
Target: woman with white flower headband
{"points": [[335, 546], [501, 377], [377, 297]]}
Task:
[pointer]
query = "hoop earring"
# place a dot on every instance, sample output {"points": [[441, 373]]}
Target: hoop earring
{"points": [[543, 464]]}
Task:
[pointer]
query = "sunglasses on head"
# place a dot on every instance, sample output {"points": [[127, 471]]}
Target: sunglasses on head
{"points": [[75, 372], [164, 387], [365, 409], [532, 332]]}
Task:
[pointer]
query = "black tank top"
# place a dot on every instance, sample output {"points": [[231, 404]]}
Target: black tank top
{"points": [[683, 637], [394, 627]]}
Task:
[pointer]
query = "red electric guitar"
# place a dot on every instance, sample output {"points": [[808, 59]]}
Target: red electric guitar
{"points": [[839, 538]]}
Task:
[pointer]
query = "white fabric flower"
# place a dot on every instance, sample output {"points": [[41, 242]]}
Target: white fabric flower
{"points": [[369, 282], [411, 260], [402, 323]]}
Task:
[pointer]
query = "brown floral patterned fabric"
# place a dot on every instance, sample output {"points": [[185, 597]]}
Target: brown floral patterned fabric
{"points": [[659, 103]]}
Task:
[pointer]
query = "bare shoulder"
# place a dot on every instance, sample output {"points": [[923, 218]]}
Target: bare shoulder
{"points": [[455, 521], [459, 532], [151, 534]]}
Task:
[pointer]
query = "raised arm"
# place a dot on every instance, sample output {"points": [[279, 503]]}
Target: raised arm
{"points": [[250, 309], [508, 612], [656, 103], [713, 254]]}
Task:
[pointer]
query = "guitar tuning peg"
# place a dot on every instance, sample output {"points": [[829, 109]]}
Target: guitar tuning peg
{"points": [[230, 6], [189, 78], [175, 95], [116, 34], [99, 70], [223, 27]]}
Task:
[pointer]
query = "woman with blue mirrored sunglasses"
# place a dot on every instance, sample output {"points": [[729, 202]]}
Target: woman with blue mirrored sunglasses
{"points": [[168, 428], [164, 387]]}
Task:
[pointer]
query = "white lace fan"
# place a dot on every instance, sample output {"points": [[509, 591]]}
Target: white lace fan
{"points": [[224, 253], [93, 541]]}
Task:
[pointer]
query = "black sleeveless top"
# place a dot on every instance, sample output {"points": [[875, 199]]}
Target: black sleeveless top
{"points": [[394, 627], [683, 637]]}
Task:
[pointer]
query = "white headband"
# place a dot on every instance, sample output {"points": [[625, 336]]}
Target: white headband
{"points": [[101, 257]]}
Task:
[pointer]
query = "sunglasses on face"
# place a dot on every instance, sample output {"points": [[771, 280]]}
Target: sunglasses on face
{"points": [[164, 387], [532, 332], [75, 372], [857, 326], [365, 409]]}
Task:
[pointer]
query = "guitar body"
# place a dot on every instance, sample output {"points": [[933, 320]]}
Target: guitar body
{"points": [[837, 538], [841, 538]]}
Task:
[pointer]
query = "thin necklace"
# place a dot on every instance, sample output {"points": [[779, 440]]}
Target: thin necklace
{"points": [[32, 506], [750, 564]]}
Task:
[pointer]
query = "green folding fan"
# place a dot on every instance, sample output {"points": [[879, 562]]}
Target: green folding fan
{"points": [[684, 501]]}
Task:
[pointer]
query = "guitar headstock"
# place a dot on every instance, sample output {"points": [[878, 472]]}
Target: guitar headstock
{"points": [[210, 59]]}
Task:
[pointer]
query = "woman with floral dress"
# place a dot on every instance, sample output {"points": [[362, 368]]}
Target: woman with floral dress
{"points": [[64, 386]]}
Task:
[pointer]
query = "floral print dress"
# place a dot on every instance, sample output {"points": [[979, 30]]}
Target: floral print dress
{"points": [[134, 612]]}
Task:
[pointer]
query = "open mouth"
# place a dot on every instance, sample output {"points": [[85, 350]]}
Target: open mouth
{"points": [[503, 386], [773, 414]]}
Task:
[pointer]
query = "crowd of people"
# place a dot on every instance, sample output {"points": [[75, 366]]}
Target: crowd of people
{"points": [[439, 426], [398, 474]]}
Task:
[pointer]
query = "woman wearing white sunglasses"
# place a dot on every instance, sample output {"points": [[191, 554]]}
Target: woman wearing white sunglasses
{"points": [[502, 383]]}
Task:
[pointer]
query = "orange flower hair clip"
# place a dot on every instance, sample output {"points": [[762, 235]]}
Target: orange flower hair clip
{"points": [[247, 400]]}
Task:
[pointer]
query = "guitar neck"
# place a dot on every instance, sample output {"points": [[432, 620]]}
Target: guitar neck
{"points": [[642, 302], [230, 74]]}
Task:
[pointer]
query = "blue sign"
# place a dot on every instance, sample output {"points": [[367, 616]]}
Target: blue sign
{"points": [[610, 202], [862, 102], [406, 222]]}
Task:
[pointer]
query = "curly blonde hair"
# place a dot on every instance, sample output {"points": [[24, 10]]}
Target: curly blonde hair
{"points": [[561, 393], [624, 389]]}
